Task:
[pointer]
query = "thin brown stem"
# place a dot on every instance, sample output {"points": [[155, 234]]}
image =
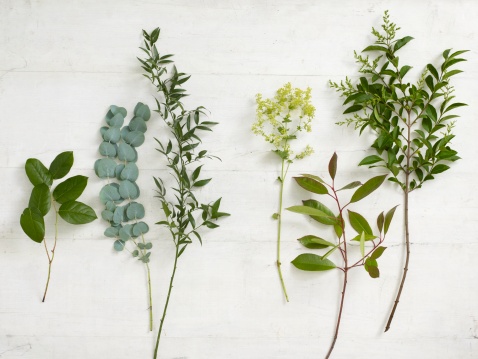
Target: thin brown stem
{"points": [[407, 233]]}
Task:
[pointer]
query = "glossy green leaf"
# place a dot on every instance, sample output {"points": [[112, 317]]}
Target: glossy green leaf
{"points": [[367, 188], [333, 166], [70, 189], [359, 223], [40, 198], [61, 165], [402, 42], [308, 211], [311, 185], [388, 219], [128, 189], [312, 262], [314, 242], [202, 183], [439, 169], [353, 108], [77, 212], [370, 160], [377, 252], [330, 220], [380, 222], [351, 185], [33, 224], [375, 48], [37, 173]]}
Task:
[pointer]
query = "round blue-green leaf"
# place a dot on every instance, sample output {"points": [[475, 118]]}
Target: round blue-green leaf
{"points": [[118, 215], [76, 212], [112, 232], [37, 173], [312, 262], [135, 138], [118, 169], [40, 198], [70, 189], [126, 153], [143, 111], [110, 206], [113, 110], [112, 135], [110, 193], [138, 124], [130, 172], [61, 165], [118, 245], [129, 190], [115, 121], [107, 149], [126, 232], [140, 228], [124, 132], [135, 211], [103, 130], [105, 168], [33, 224], [107, 215]]}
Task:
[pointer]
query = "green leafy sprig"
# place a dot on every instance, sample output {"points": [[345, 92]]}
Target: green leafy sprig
{"points": [[62, 199], [412, 122], [183, 214], [279, 120], [368, 241], [119, 164]]}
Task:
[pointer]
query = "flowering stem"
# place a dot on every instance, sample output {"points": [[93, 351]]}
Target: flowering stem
{"points": [[279, 226]]}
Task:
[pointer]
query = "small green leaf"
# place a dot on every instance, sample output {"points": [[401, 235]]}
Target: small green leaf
{"points": [[314, 242], [370, 160], [275, 216], [311, 185], [388, 219], [377, 252], [76, 212], [351, 185], [375, 48], [331, 220], [367, 188], [312, 262], [359, 223], [118, 245], [33, 224], [70, 189], [362, 244], [201, 183], [40, 198], [37, 173], [353, 108], [61, 165], [371, 267], [166, 209], [380, 221], [367, 237], [439, 169], [333, 165], [308, 211], [402, 42]]}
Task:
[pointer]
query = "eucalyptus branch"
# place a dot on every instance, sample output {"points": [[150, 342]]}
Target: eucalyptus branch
{"points": [[43, 198], [185, 128], [322, 214], [400, 110]]}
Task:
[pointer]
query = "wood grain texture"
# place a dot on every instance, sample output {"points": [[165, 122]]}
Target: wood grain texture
{"points": [[62, 63]]}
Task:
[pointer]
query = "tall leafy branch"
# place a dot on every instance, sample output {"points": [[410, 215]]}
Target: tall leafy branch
{"points": [[412, 122], [63, 199], [279, 120], [183, 214], [370, 243]]}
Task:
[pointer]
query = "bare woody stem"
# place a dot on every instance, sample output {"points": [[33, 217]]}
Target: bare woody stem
{"points": [[150, 299], [50, 258], [279, 226], [407, 233]]}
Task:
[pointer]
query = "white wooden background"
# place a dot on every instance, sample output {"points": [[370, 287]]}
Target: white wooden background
{"points": [[62, 63]]}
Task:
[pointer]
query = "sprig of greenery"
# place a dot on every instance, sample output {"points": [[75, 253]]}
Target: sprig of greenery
{"points": [[184, 215], [370, 243], [121, 143], [43, 198], [279, 121], [413, 123]]}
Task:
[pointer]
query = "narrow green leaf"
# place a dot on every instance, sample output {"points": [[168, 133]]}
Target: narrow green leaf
{"points": [[367, 188], [312, 262], [202, 183], [362, 244], [433, 71], [70, 189], [76, 212], [402, 42], [308, 211], [33, 224], [375, 48], [351, 185], [37, 173], [370, 160], [331, 220], [61, 165], [439, 169], [359, 223], [377, 252], [314, 242], [311, 185], [380, 221], [388, 219], [40, 198], [454, 105], [367, 237], [333, 166], [353, 108]]}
